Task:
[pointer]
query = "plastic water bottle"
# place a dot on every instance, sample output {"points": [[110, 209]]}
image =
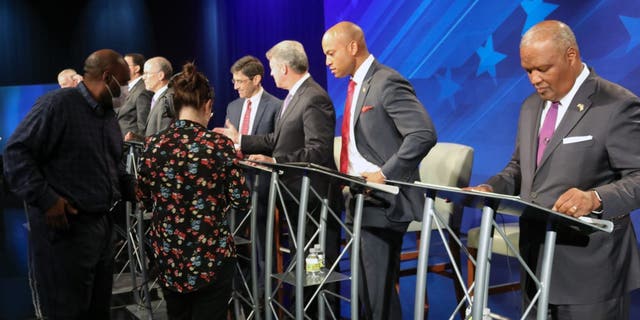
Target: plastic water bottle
{"points": [[320, 256], [312, 265]]}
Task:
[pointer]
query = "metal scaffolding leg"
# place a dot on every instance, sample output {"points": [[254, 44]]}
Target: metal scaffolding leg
{"points": [[135, 243]]}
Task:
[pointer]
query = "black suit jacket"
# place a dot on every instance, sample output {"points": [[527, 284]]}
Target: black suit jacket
{"points": [[595, 146], [304, 133], [134, 112]]}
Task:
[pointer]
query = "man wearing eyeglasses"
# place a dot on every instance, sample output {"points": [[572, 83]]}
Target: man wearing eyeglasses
{"points": [[254, 113], [157, 73], [256, 110]]}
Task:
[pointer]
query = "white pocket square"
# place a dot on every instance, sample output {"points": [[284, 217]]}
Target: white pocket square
{"points": [[569, 140]]}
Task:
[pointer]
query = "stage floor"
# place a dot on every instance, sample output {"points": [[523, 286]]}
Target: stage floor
{"points": [[15, 296]]}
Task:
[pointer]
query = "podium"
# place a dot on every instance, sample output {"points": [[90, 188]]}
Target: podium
{"points": [[251, 289], [295, 272], [491, 204]]}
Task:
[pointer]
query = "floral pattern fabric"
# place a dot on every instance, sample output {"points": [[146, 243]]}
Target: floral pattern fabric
{"points": [[189, 178]]}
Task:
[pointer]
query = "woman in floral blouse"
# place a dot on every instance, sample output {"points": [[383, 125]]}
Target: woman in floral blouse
{"points": [[189, 179]]}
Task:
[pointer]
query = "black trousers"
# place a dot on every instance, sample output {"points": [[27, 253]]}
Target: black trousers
{"points": [[379, 267], [71, 271], [208, 303], [614, 309]]}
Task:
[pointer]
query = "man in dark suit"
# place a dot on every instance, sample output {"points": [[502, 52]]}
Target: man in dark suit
{"points": [[386, 132], [577, 153], [133, 114], [157, 73], [263, 107], [254, 112], [303, 132]]}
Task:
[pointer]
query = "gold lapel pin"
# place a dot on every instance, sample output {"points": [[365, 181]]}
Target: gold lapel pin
{"points": [[364, 90], [580, 106]]}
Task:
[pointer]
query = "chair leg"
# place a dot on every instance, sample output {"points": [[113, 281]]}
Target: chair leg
{"points": [[455, 249], [279, 257], [471, 267]]}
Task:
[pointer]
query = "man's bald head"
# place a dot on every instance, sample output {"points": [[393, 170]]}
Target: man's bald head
{"points": [[345, 32], [104, 72], [345, 48], [65, 78]]}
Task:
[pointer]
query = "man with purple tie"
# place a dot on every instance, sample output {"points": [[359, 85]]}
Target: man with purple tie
{"points": [[577, 153]]}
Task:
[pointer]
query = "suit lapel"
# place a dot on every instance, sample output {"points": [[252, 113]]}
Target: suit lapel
{"points": [[364, 90], [292, 104], [530, 134], [578, 107], [259, 114]]}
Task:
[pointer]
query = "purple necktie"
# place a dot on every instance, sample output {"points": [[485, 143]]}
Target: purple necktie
{"points": [[548, 127], [285, 104]]}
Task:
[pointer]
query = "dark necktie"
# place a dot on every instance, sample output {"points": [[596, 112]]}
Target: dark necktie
{"points": [[346, 121], [548, 127]]}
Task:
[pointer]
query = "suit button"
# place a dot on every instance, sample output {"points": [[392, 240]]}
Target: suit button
{"points": [[534, 195]]}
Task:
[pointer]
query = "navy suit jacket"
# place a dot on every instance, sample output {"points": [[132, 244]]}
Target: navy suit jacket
{"points": [[266, 115], [595, 146]]}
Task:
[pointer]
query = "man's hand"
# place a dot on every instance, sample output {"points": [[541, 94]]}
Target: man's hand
{"points": [[132, 136], [575, 202], [229, 130], [261, 158], [376, 177], [57, 215], [482, 188]]}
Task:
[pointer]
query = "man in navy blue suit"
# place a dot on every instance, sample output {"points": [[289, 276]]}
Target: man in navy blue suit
{"points": [[254, 113]]}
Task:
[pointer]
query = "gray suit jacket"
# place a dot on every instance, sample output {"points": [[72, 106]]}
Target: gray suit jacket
{"points": [[134, 112], [162, 114], [593, 267], [266, 115], [304, 133], [392, 130]]}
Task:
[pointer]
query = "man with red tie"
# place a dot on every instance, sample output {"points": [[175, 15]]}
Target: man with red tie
{"points": [[386, 132], [254, 112]]}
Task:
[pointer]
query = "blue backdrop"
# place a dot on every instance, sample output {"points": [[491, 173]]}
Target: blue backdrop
{"points": [[462, 58]]}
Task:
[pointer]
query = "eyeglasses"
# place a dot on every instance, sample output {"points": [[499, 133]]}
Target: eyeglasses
{"points": [[238, 81]]}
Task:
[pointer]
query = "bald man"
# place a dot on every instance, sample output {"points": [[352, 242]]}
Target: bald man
{"points": [[577, 153], [64, 160], [157, 73], [386, 132], [68, 78]]}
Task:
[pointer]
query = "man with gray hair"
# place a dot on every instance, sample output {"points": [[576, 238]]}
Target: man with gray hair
{"points": [[157, 73], [304, 131], [68, 78]]}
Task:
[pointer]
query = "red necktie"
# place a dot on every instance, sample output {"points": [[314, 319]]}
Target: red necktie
{"points": [[346, 121], [548, 127], [244, 127]]}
